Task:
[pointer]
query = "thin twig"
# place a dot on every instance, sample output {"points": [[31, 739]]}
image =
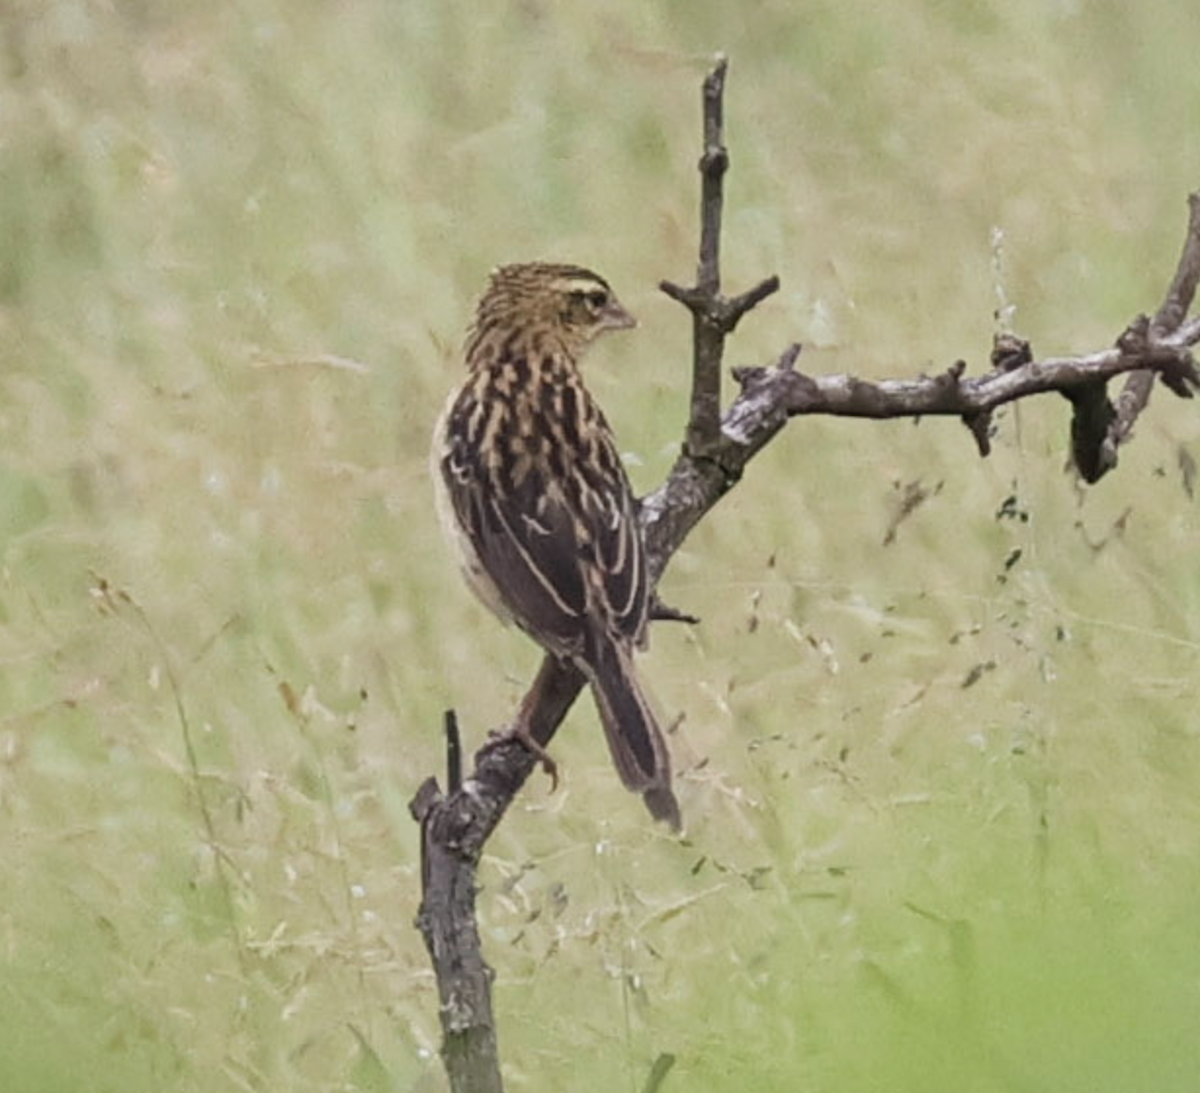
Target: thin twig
{"points": [[1182, 292], [1135, 395], [453, 753], [708, 339], [714, 162], [951, 393], [713, 316]]}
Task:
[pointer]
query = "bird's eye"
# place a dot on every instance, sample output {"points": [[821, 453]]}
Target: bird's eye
{"points": [[597, 298]]}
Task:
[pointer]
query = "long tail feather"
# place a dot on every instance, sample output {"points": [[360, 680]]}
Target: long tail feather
{"points": [[638, 749]]}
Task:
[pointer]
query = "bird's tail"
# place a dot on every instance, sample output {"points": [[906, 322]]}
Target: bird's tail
{"points": [[638, 748]]}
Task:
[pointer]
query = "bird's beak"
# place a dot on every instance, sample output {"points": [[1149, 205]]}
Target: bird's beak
{"points": [[615, 317]]}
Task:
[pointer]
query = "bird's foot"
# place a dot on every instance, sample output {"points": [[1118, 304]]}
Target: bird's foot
{"points": [[521, 733]]}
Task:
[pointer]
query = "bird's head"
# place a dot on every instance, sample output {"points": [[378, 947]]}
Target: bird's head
{"points": [[570, 303]]}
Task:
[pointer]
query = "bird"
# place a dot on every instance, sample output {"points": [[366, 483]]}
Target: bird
{"points": [[535, 502]]}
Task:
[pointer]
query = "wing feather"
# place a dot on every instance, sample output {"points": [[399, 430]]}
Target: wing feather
{"points": [[559, 541]]}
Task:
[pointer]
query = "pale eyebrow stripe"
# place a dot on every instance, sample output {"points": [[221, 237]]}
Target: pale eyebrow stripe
{"points": [[579, 284]]}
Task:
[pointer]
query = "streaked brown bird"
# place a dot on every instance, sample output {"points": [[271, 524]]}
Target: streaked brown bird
{"points": [[534, 497]]}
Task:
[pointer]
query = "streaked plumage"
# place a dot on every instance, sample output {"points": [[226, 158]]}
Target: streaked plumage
{"points": [[534, 496]]}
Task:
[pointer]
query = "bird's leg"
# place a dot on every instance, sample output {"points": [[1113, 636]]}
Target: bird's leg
{"points": [[521, 730]]}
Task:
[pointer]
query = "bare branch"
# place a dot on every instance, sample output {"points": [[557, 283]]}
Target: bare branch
{"points": [[713, 316], [447, 923], [952, 393], [751, 298], [772, 395], [1135, 395], [714, 162], [453, 753], [1178, 301]]}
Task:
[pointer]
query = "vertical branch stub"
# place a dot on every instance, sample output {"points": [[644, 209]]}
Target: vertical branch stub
{"points": [[1179, 297], [708, 332], [453, 752], [1135, 395], [714, 162]]}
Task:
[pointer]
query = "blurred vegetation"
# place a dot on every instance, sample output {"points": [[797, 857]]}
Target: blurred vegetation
{"points": [[941, 793]]}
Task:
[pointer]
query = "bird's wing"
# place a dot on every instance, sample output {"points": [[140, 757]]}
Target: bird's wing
{"points": [[564, 551], [616, 559], [531, 558]]}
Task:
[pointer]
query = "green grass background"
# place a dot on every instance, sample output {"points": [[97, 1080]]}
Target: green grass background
{"points": [[238, 246]]}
